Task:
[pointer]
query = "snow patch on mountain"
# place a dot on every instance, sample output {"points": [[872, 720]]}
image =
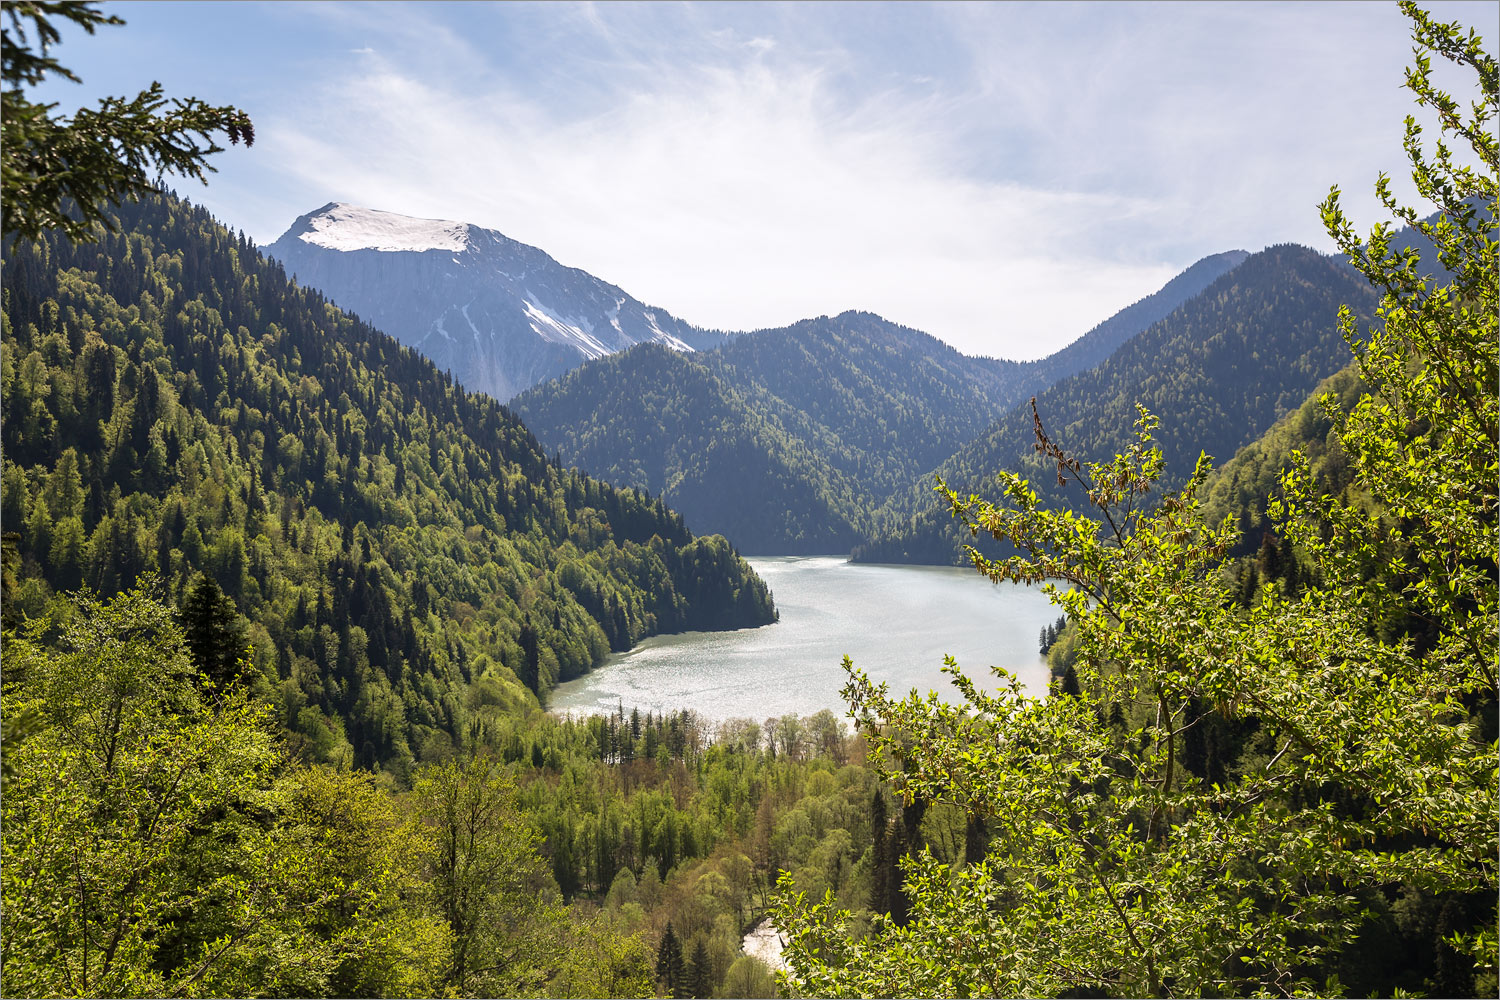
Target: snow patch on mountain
{"points": [[350, 227], [660, 335], [469, 320], [550, 326], [500, 315]]}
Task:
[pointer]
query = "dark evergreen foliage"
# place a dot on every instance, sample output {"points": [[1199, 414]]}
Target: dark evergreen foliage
{"points": [[1050, 634], [62, 170], [1243, 486], [211, 626], [699, 972], [669, 969]]}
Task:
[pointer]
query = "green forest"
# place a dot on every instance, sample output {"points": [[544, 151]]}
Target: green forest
{"points": [[337, 609], [283, 607], [389, 545]]}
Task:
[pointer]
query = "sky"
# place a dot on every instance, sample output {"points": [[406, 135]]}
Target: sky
{"points": [[1002, 176]]}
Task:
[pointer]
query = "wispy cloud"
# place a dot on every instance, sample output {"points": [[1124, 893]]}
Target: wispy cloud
{"points": [[737, 194], [1003, 176]]}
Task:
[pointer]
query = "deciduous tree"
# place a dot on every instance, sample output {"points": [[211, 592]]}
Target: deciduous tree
{"points": [[1364, 699]]}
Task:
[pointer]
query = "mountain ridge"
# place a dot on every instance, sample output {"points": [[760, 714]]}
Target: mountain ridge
{"points": [[504, 316], [1218, 372], [855, 405], [827, 401]]}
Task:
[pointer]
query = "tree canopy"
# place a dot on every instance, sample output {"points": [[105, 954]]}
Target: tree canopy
{"points": [[1262, 799]]}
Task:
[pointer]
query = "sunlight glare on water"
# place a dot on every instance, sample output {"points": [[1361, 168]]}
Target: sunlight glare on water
{"points": [[896, 622]]}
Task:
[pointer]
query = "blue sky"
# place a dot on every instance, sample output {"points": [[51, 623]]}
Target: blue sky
{"points": [[1002, 176]]}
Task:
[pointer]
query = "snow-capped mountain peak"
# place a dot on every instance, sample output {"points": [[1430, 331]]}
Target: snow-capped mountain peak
{"points": [[501, 315], [340, 226]]}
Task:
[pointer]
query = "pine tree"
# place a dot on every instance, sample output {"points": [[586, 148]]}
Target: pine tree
{"points": [[699, 975], [215, 637], [669, 963]]}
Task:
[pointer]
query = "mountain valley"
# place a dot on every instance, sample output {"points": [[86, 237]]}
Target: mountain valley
{"points": [[824, 436], [396, 611]]}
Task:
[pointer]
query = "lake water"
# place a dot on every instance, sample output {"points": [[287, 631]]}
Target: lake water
{"points": [[765, 943], [896, 622]]}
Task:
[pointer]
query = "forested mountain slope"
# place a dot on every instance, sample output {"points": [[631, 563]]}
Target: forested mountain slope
{"points": [[787, 440], [1218, 372], [665, 421], [403, 549], [1103, 340], [1243, 486], [783, 440]]}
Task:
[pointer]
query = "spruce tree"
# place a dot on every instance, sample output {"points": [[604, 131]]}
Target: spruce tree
{"points": [[215, 637], [698, 974], [669, 962], [111, 152]]}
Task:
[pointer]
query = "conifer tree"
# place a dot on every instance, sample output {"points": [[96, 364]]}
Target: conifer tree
{"points": [[211, 626], [54, 167], [669, 963], [700, 976]]}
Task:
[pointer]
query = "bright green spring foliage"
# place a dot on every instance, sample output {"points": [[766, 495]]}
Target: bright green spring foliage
{"points": [[159, 841], [487, 881], [1234, 790], [150, 846]]}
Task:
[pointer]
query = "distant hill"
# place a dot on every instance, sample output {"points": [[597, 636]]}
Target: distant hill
{"points": [[1218, 371], [402, 550], [1103, 340], [498, 314]]}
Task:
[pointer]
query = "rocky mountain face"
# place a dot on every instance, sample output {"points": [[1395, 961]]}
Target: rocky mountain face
{"points": [[501, 316]]}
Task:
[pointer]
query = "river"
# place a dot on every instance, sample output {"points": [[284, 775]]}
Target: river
{"points": [[896, 622]]}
